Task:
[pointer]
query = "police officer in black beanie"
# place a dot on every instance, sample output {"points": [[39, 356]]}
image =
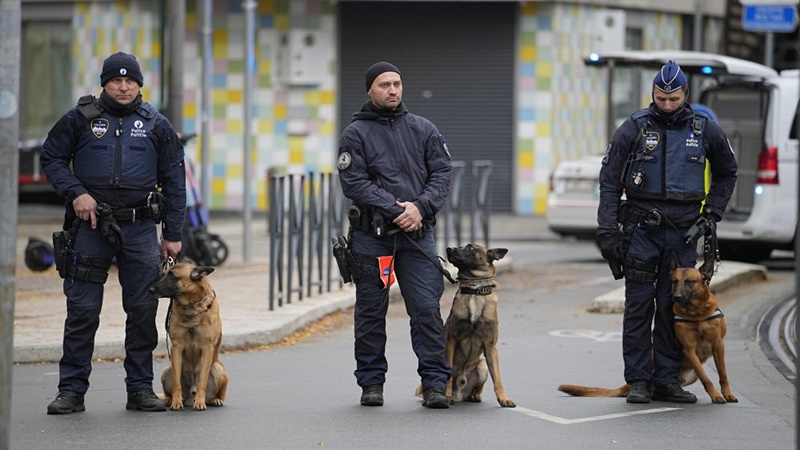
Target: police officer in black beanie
{"points": [[108, 157], [658, 157], [395, 168]]}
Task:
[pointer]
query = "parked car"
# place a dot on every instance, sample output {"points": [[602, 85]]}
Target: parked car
{"points": [[31, 179], [573, 198], [758, 109]]}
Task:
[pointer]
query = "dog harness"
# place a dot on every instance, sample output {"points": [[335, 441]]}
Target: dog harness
{"points": [[717, 315]]}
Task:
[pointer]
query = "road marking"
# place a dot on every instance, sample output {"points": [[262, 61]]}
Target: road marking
{"points": [[562, 421], [599, 336]]}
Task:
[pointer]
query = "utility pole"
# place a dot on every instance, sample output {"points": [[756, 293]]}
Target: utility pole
{"points": [[176, 28], [10, 19]]}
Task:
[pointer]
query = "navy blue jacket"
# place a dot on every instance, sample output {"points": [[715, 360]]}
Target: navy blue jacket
{"points": [[718, 152], [395, 156], [118, 160]]}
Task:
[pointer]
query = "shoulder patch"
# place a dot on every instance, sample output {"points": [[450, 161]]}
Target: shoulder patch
{"points": [[99, 127], [444, 146], [344, 161]]}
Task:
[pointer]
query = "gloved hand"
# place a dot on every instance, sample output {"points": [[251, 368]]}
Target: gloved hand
{"points": [[109, 228], [706, 221], [609, 247]]}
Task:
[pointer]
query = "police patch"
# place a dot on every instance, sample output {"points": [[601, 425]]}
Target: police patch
{"points": [[99, 127], [651, 139], [344, 161]]}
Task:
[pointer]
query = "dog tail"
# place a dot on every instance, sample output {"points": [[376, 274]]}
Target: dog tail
{"points": [[584, 391]]}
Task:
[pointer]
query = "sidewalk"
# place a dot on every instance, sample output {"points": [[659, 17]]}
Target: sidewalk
{"points": [[243, 287]]}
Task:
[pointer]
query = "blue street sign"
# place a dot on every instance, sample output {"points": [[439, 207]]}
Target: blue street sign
{"points": [[775, 18]]}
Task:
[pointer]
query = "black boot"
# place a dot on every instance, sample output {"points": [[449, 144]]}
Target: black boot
{"points": [[66, 402], [145, 400], [372, 395], [435, 398], [672, 393], [639, 393]]}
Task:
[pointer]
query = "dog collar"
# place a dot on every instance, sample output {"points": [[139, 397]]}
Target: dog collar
{"points": [[717, 315], [483, 290]]}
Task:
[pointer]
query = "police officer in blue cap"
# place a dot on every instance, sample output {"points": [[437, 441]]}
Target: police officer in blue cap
{"points": [[657, 157]]}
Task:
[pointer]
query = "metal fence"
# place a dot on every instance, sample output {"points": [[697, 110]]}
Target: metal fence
{"points": [[307, 210]]}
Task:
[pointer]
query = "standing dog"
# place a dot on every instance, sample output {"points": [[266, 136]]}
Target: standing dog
{"points": [[700, 328], [472, 326], [195, 374]]}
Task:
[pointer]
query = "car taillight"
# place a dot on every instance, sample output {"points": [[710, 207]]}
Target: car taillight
{"points": [[767, 172]]}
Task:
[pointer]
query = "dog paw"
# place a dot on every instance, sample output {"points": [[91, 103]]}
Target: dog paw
{"points": [[176, 406], [215, 402], [199, 406], [507, 403], [731, 399], [718, 399]]}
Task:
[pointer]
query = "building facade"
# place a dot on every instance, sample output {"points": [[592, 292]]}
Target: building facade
{"points": [[503, 80]]}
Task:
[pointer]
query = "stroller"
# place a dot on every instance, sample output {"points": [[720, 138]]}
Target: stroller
{"points": [[199, 245]]}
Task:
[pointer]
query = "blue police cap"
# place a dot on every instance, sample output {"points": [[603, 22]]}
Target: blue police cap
{"points": [[670, 78]]}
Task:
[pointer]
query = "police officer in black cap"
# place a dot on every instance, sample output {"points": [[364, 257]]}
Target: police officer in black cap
{"points": [[658, 158], [118, 163], [396, 169]]}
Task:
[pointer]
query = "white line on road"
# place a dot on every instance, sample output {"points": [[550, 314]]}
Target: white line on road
{"points": [[563, 421]]}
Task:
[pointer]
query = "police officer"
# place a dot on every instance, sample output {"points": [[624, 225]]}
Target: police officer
{"points": [[396, 169], [658, 157], [106, 157]]}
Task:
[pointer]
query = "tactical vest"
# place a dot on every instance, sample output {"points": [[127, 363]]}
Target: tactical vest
{"points": [[666, 164], [117, 152]]}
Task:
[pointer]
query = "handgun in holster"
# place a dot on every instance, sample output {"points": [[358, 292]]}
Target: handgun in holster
{"points": [[63, 241], [341, 252]]}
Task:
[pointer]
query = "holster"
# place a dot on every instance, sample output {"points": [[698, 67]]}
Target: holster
{"points": [[61, 252], [355, 267], [64, 240]]}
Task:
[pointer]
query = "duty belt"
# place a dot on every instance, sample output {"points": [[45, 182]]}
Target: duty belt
{"points": [[131, 214], [654, 218]]}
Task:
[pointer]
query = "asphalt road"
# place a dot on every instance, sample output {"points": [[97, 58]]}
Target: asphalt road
{"points": [[303, 395]]}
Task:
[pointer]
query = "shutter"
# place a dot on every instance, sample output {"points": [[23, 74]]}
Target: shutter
{"points": [[457, 61]]}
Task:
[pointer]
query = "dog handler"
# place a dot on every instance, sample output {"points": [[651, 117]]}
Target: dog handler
{"points": [[658, 157], [396, 169], [106, 157]]}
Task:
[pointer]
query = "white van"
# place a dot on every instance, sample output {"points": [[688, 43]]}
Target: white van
{"points": [[758, 109]]}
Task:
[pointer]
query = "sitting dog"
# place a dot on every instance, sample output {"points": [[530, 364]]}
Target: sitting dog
{"points": [[195, 376], [700, 328], [472, 326]]}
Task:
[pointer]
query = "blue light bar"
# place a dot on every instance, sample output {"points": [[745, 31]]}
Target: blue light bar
{"points": [[707, 70], [594, 57]]}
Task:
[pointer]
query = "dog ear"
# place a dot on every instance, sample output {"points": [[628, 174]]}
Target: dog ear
{"points": [[673, 263], [707, 269], [495, 254], [200, 272]]}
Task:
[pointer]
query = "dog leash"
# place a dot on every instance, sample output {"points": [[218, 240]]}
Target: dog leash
{"points": [[168, 263], [435, 263]]}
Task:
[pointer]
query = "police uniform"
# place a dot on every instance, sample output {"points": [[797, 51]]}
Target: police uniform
{"points": [[659, 160], [386, 156], [119, 159]]}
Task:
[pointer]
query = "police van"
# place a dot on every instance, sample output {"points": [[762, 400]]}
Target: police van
{"points": [[758, 109]]}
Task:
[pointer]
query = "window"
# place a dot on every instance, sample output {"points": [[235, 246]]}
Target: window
{"points": [[46, 76]]}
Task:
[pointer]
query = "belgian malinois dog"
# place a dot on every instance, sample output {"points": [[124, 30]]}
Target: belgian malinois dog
{"points": [[195, 376], [700, 328], [472, 326]]}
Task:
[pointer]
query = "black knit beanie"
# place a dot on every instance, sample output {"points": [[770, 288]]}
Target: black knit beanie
{"points": [[121, 65], [377, 69]]}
